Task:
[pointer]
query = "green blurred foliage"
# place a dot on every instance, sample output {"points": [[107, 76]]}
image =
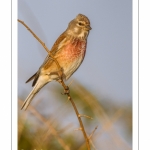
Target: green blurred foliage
{"points": [[51, 131]]}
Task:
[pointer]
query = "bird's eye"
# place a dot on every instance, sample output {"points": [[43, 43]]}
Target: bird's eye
{"points": [[81, 24]]}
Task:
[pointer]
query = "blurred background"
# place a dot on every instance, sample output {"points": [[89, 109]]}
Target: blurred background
{"points": [[101, 87]]}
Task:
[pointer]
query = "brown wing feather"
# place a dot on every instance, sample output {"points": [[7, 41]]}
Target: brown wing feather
{"points": [[31, 78], [54, 50], [35, 79]]}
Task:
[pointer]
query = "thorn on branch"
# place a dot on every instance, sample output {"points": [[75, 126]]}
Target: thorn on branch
{"points": [[85, 116], [77, 129], [92, 133]]}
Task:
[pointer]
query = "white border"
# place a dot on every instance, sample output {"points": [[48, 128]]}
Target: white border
{"points": [[14, 75], [5, 74], [144, 75], [135, 73]]}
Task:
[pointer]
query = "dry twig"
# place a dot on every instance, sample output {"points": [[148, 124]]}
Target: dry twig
{"points": [[66, 88], [42, 43], [93, 132], [66, 92]]}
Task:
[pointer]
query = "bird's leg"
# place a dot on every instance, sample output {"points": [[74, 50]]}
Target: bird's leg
{"points": [[66, 88], [60, 80]]}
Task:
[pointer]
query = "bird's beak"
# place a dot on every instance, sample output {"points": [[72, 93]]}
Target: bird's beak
{"points": [[88, 27]]}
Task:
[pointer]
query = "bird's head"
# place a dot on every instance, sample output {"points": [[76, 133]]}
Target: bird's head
{"points": [[79, 27]]}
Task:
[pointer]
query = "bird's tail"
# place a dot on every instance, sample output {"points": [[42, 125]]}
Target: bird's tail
{"points": [[34, 91]]}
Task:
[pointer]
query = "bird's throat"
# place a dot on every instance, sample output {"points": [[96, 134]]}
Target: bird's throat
{"points": [[81, 35]]}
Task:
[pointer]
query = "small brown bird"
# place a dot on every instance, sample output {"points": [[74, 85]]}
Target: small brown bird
{"points": [[69, 50]]}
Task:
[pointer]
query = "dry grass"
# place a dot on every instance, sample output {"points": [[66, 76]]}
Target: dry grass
{"points": [[54, 130]]}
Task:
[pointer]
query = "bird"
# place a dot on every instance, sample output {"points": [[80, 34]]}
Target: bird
{"points": [[69, 51]]}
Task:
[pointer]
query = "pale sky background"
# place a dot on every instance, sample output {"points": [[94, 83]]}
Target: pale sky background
{"points": [[107, 67]]}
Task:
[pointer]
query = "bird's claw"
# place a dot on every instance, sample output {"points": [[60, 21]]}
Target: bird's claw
{"points": [[66, 90]]}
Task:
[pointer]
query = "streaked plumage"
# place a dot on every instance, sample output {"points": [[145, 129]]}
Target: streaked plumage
{"points": [[69, 50]]}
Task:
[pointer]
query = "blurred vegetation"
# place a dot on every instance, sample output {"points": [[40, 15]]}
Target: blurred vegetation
{"points": [[52, 127]]}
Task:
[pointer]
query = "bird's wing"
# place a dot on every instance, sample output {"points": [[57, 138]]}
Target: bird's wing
{"points": [[56, 47]]}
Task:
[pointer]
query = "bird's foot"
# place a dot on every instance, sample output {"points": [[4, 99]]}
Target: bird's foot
{"points": [[66, 90]]}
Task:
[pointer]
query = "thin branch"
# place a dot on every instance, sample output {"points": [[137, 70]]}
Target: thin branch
{"points": [[77, 129], [66, 88], [93, 132], [66, 91], [92, 144], [85, 116], [42, 43]]}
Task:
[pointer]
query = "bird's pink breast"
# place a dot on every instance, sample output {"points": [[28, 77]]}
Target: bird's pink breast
{"points": [[73, 51], [71, 56]]}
